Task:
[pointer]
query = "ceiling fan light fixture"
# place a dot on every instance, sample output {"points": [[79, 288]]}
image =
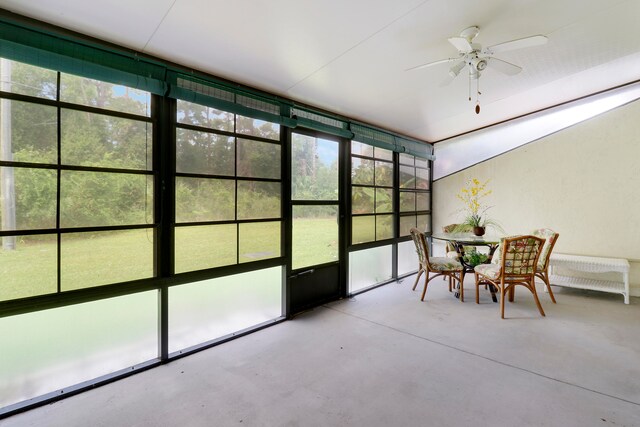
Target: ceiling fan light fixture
{"points": [[455, 70], [478, 64]]}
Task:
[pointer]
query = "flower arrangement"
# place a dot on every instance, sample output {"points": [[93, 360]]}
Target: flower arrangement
{"points": [[475, 211]]}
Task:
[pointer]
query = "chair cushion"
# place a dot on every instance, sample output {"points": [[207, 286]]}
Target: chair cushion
{"points": [[453, 254], [492, 271], [444, 264], [497, 256], [550, 236]]}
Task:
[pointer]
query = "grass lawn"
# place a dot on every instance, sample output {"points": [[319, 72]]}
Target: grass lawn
{"points": [[93, 259]]}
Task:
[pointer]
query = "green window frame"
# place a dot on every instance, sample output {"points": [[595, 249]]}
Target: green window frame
{"points": [[414, 187], [372, 193], [77, 167], [228, 188]]}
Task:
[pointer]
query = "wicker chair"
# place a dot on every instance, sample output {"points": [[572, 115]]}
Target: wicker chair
{"points": [[442, 266], [456, 228], [542, 270], [518, 260]]}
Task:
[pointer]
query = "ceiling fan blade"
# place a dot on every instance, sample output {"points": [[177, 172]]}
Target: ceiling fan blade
{"points": [[447, 81], [516, 44], [429, 64], [461, 44], [503, 66]]}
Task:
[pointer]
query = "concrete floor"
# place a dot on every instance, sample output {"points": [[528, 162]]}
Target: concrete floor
{"points": [[384, 358]]}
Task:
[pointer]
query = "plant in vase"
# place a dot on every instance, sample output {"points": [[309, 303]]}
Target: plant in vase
{"points": [[472, 195]]}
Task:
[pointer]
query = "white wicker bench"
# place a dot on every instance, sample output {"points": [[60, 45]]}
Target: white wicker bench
{"points": [[590, 265]]}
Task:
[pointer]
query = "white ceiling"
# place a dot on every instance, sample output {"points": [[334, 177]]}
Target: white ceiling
{"points": [[349, 56]]}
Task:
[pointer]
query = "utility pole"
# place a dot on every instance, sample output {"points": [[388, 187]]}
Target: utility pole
{"points": [[7, 182]]}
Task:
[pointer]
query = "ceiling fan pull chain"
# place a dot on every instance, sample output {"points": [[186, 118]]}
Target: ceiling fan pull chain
{"points": [[478, 93]]}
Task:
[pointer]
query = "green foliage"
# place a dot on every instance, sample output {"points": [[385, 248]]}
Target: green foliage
{"points": [[314, 175], [35, 198], [86, 198], [474, 258], [96, 140]]}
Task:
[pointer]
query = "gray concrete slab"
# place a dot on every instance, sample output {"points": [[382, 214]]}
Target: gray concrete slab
{"points": [[384, 358]]}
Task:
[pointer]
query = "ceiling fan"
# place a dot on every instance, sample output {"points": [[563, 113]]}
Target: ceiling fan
{"points": [[477, 59]]}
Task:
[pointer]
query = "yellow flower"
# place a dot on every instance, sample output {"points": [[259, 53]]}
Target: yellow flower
{"points": [[471, 194]]}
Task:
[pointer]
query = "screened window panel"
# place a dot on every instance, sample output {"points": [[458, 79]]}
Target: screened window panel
{"points": [[362, 171], [219, 199], [314, 174], [378, 176], [257, 127], [105, 257], [384, 227], [259, 200], [384, 200], [406, 223], [422, 201], [407, 201], [48, 350], [205, 246], [204, 153], [363, 229], [259, 240], [203, 311], [423, 222], [34, 132], [30, 80], [361, 149], [100, 94], [381, 153], [422, 178], [362, 200], [256, 159], [315, 235], [384, 174], [203, 116], [100, 140], [415, 197], [91, 199], [422, 163], [407, 177], [369, 267], [204, 199], [32, 194], [29, 269], [407, 159]]}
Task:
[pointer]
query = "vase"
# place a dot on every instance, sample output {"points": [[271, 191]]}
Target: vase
{"points": [[478, 231]]}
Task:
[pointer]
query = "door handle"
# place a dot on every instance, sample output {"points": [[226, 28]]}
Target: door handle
{"points": [[302, 273]]}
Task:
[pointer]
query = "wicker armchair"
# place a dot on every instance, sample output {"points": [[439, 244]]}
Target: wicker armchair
{"points": [[518, 260], [542, 270], [442, 266], [456, 228]]}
